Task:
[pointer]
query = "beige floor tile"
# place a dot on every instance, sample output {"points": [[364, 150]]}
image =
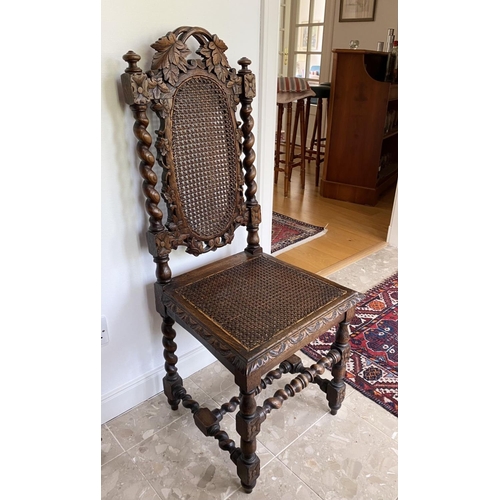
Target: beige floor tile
{"points": [[122, 480], [110, 448], [144, 420], [345, 458], [373, 413], [213, 379], [277, 482], [180, 462], [369, 271]]}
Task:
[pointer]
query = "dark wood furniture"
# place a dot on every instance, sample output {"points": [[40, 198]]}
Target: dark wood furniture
{"points": [[316, 149], [250, 310], [286, 156], [361, 158]]}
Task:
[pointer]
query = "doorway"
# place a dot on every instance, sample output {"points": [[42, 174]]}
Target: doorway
{"points": [[353, 231]]}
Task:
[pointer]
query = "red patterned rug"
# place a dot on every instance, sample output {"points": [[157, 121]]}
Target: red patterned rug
{"points": [[288, 232], [373, 366]]}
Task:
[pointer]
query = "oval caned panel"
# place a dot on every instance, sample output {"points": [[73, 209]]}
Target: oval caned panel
{"points": [[204, 153]]}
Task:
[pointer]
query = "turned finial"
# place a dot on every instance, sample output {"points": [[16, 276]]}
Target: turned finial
{"points": [[132, 58], [244, 62]]}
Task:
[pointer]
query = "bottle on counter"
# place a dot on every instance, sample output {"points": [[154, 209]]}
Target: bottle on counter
{"points": [[392, 62], [395, 70], [390, 39]]}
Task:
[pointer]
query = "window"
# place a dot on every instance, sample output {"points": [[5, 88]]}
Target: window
{"points": [[307, 19]]}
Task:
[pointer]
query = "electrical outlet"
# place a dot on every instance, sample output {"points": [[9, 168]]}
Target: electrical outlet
{"points": [[104, 331]]}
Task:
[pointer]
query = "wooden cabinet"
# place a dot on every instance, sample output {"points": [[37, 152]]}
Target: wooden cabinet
{"points": [[361, 156]]}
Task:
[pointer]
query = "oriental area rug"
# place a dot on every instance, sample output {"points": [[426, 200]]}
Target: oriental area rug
{"points": [[288, 233], [373, 366]]}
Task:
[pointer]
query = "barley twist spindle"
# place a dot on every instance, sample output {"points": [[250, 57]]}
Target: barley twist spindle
{"points": [[171, 382], [246, 98], [139, 107], [225, 442], [227, 407]]}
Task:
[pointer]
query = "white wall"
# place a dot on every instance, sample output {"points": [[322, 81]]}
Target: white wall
{"points": [[367, 32], [132, 362]]}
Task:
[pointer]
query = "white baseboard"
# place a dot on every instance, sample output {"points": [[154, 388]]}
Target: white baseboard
{"points": [[148, 385]]}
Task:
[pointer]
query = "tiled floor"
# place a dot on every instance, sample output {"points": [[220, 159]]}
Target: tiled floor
{"points": [[153, 453]]}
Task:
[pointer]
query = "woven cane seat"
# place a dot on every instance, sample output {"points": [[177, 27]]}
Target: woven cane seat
{"points": [[250, 291], [263, 303]]}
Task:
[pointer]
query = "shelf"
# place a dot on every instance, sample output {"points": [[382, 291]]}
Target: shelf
{"points": [[386, 172], [390, 134]]}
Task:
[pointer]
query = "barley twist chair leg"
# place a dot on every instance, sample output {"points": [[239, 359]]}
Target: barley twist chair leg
{"points": [[172, 382]]}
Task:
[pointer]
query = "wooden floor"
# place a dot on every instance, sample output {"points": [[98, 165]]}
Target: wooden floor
{"points": [[353, 231]]}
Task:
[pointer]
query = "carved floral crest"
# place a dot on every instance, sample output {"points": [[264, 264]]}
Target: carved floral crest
{"points": [[170, 57], [170, 60]]}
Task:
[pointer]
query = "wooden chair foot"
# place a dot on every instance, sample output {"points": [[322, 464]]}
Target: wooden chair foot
{"points": [[248, 473], [335, 392], [173, 404], [174, 390], [248, 422]]}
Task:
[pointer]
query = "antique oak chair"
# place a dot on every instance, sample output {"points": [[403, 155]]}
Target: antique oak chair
{"points": [[246, 308]]}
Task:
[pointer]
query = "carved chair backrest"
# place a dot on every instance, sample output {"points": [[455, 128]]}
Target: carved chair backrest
{"points": [[199, 145]]}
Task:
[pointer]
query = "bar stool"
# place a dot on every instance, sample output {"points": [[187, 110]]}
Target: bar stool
{"points": [[315, 151], [291, 90]]}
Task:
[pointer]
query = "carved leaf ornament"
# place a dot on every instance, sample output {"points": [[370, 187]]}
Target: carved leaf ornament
{"points": [[170, 57], [215, 58]]}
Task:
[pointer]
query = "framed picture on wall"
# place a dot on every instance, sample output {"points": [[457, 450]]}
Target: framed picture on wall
{"points": [[356, 10]]}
